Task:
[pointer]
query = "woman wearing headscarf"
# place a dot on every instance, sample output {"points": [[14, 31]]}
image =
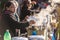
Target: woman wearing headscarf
{"points": [[9, 18], [16, 7]]}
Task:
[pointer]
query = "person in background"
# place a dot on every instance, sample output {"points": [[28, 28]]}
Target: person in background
{"points": [[9, 18], [43, 3], [34, 4], [24, 11]]}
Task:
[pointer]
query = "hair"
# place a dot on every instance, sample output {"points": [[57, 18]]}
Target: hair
{"points": [[33, 0], [26, 2], [15, 3], [8, 4]]}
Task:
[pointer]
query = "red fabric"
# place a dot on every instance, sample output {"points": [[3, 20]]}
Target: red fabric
{"points": [[46, 4]]}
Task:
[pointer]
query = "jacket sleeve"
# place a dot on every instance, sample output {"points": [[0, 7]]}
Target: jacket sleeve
{"points": [[14, 23]]}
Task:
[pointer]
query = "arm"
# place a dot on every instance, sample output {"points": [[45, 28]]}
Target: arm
{"points": [[14, 23]]}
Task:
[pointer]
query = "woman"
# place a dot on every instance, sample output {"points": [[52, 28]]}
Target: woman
{"points": [[24, 11], [9, 18]]}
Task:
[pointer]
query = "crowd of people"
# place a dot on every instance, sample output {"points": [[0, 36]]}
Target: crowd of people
{"points": [[28, 8]]}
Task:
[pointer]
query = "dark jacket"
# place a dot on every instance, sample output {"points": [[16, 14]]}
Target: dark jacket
{"points": [[24, 12], [12, 24]]}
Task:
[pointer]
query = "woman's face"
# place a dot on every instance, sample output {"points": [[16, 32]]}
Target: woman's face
{"points": [[12, 8]]}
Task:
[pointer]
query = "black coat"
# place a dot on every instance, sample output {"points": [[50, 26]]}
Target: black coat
{"points": [[24, 12], [12, 24]]}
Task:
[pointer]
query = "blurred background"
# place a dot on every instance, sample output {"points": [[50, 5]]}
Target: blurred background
{"points": [[3, 26]]}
